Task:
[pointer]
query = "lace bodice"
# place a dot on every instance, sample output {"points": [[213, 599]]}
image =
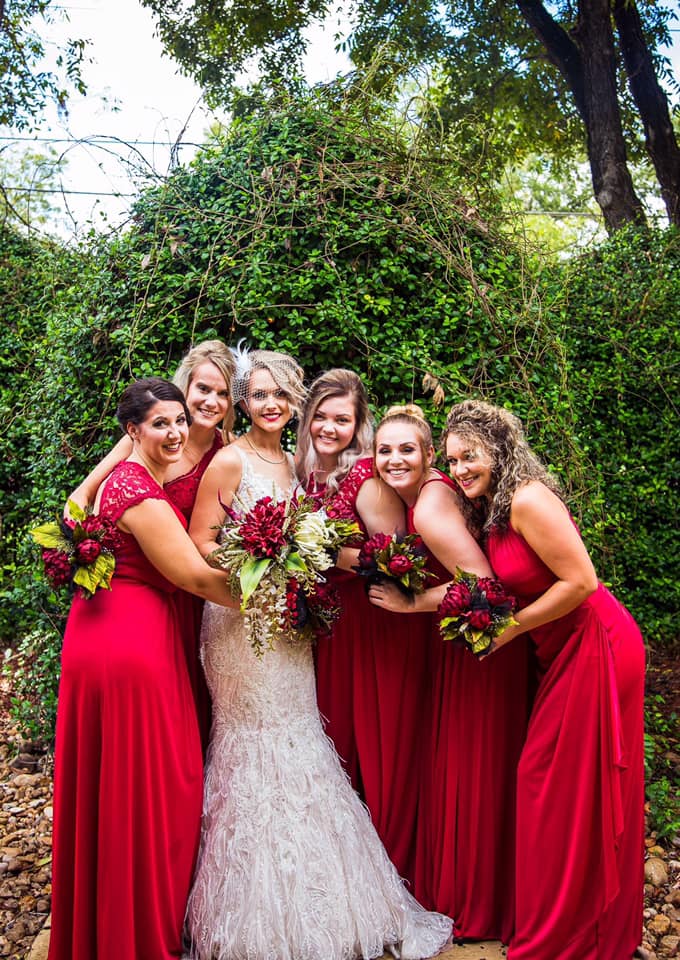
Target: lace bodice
{"points": [[253, 486], [128, 485]]}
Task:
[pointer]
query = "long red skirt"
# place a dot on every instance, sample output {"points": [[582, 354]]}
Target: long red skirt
{"points": [[128, 780]]}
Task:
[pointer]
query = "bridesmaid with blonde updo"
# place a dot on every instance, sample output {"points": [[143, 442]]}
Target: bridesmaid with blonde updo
{"points": [[477, 711]]}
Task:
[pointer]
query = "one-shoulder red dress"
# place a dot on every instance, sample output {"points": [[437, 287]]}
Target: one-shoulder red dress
{"points": [[478, 711], [372, 680], [128, 766], [182, 492], [580, 793]]}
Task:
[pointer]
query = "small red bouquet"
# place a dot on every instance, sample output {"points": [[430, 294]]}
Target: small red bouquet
{"points": [[312, 614], [77, 553], [401, 561], [475, 610]]}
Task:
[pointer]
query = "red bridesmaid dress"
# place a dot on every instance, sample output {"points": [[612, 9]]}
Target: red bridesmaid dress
{"points": [[128, 768], [580, 797], [465, 857], [372, 679], [182, 493]]}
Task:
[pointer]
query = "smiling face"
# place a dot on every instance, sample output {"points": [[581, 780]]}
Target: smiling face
{"points": [[161, 435], [267, 403], [332, 428], [401, 460], [208, 396], [470, 465]]}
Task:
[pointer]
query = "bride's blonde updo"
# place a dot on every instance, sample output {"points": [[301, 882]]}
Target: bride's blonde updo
{"points": [[411, 414]]}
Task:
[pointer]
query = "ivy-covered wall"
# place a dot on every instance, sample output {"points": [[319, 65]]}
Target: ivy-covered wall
{"points": [[323, 228]]}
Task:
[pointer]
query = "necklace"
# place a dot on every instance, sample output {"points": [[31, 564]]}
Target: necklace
{"points": [[258, 454]]}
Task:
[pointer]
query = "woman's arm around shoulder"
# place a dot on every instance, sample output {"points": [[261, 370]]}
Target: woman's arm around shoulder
{"points": [[438, 519], [166, 544], [380, 508], [86, 491], [218, 485]]}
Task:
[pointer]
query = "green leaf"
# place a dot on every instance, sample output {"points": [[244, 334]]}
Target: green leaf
{"points": [[251, 573], [97, 574], [76, 511], [50, 535], [295, 562]]}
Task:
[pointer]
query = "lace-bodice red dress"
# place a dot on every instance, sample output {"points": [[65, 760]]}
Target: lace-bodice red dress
{"points": [[182, 492], [371, 686], [580, 790], [477, 713], [128, 767]]}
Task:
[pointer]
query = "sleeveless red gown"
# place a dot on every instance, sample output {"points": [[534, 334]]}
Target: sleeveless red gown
{"points": [[182, 493], [580, 829], [371, 688], [478, 710], [128, 769]]}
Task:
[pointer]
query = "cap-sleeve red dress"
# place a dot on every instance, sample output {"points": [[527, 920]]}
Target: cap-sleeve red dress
{"points": [[478, 715], [128, 768], [372, 679], [580, 790]]}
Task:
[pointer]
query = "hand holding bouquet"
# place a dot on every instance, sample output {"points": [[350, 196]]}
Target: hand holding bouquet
{"points": [[402, 561], [276, 554], [475, 610], [77, 553]]}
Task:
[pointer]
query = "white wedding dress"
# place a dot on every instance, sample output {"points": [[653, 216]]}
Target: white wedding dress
{"points": [[290, 866]]}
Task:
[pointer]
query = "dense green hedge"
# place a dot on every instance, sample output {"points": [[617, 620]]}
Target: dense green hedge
{"points": [[322, 228]]}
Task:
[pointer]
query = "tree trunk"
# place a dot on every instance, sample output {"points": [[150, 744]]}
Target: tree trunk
{"points": [[587, 61], [652, 105]]}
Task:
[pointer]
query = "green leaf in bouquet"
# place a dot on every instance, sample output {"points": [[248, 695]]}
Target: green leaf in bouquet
{"points": [[295, 563], [479, 641], [77, 513], [97, 574], [251, 573], [50, 535]]}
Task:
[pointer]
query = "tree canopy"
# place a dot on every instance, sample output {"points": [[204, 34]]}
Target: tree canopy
{"points": [[25, 85], [561, 77]]}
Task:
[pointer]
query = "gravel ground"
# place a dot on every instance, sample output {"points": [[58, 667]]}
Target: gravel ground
{"points": [[25, 848]]}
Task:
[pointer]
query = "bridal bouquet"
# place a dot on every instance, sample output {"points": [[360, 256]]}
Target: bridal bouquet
{"points": [[276, 554], [401, 560], [77, 553], [475, 610]]}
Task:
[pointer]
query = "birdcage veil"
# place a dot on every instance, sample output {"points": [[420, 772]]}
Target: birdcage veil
{"points": [[284, 370]]}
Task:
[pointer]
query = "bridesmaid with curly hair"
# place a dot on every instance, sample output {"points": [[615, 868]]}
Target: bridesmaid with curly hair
{"points": [[580, 792]]}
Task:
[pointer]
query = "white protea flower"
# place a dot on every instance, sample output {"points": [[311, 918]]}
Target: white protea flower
{"points": [[311, 539]]}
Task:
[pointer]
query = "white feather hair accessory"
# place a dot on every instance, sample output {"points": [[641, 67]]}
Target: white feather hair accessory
{"points": [[242, 369]]}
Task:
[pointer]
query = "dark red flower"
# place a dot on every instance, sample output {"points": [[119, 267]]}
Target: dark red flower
{"points": [[494, 590], [262, 529], [87, 551], [479, 619], [57, 567], [400, 565], [372, 546], [456, 601]]}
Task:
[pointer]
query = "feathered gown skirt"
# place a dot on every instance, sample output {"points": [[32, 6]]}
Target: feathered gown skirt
{"points": [[290, 866]]}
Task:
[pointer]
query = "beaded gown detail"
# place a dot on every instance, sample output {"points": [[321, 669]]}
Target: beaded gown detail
{"points": [[580, 790], [128, 768], [290, 866], [372, 681]]}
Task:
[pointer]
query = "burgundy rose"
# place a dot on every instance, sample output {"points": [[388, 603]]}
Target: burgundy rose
{"points": [[479, 619], [87, 551], [371, 547], [57, 567], [494, 591], [456, 601], [400, 565], [262, 530]]}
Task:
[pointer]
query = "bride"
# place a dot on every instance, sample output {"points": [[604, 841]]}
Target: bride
{"points": [[290, 866]]}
